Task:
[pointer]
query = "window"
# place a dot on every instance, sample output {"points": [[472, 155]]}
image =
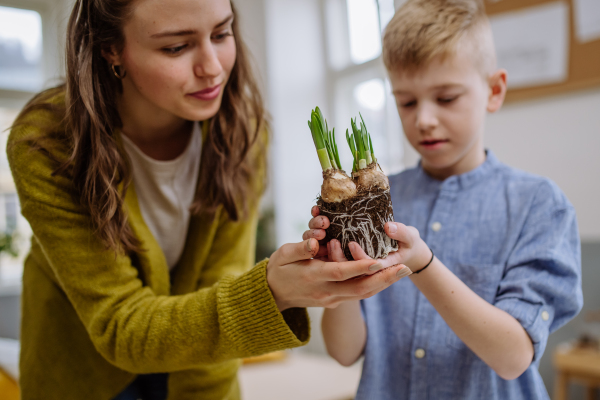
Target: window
{"points": [[20, 49], [357, 77]]}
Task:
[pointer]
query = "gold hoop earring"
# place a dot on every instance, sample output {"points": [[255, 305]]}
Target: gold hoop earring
{"points": [[115, 72]]}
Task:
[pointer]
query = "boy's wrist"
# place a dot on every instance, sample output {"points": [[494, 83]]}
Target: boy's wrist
{"points": [[422, 259]]}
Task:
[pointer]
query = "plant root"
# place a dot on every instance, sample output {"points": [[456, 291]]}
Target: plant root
{"points": [[361, 219]]}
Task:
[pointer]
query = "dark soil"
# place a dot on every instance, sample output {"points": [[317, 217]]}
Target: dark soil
{"points": [[379, 209]]}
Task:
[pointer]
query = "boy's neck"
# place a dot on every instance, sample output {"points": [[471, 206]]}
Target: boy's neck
{"points": [[468, 162]]}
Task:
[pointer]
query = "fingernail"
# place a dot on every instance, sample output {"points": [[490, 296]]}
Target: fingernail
{"points": [[308, 247], [404, 272], [392, 228], [375, 267]]}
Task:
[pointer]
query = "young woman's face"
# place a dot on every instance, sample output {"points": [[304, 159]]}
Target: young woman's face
{"points": [[178, 55]]}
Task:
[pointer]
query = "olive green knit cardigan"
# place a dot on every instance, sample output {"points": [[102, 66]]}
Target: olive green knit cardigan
{"points": [[91, 320]]}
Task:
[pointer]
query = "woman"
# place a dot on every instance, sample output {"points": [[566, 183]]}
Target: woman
{"points": [[138, 284]]}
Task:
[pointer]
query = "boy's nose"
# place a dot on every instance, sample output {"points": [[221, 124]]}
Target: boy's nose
{"points": [[426, 119]]}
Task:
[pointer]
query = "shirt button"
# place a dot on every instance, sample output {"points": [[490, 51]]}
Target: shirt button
{"points": [[419, 353], [545, 315], [436, 226]]}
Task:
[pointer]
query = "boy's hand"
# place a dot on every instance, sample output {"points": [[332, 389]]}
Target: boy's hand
{"points": [[412, 250], [317, 226]]}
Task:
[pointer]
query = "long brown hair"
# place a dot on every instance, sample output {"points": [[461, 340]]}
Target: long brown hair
{"points": [[97, 164]]}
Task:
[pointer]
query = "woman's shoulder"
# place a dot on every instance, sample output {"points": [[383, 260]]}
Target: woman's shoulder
{"points": [[40, 125]]}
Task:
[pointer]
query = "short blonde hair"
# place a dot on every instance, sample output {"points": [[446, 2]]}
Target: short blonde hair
{"points": [[422, 30]]}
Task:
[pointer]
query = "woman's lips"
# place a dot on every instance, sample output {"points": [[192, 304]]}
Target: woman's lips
{"points": [[207, 94], [433, 144]]}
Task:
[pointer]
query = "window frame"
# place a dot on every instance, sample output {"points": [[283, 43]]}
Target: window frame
{"points": [[52, 15], [372, 69]]}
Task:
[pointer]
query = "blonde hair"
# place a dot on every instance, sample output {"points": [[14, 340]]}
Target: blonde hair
{"points": [[422, 30]]}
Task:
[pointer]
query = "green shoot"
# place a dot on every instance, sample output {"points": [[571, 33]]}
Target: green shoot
{"points": [[324, 141], [360, 144]]}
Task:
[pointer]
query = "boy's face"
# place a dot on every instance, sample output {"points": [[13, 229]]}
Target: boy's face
{"points": [[442, 107]]}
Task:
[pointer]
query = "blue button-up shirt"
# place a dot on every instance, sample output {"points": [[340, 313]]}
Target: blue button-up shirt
{"points": [[512, 238]]}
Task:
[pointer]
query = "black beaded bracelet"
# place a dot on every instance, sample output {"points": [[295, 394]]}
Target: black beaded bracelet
{"points": [[428, 264]]}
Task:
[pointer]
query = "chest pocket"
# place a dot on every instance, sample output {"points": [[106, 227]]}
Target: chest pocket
{"points": [[483, 279]]}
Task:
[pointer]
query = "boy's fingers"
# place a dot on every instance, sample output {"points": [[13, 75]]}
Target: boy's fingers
{"points": [[318, 234], [319, 222], [323, 252], [288, 253], [357, 252], [398, 231], [335, 251], [314, 211]]}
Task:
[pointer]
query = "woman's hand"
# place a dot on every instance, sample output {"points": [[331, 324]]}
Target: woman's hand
{"points": [[299, 280]]}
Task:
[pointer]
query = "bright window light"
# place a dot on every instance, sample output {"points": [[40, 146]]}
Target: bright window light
{"points": [[20, 49], [370, 94], [386, 12], [365, 36]]}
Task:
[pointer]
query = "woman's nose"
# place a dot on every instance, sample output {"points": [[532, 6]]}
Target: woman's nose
{"points": [[207, 63], [426, 118]]}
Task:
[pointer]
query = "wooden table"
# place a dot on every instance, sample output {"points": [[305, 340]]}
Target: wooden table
{"points": [[576, 365]]}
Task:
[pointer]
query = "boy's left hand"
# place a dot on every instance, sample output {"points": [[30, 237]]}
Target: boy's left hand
{"points": [[412, 250]]}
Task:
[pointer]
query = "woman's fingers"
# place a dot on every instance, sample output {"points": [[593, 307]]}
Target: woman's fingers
{"points": [[370, 285], [291, 252], [342, 271], [335, 251]]}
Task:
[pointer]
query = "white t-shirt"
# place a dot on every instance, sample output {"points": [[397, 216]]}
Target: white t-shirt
{"points": [[165, 191]]}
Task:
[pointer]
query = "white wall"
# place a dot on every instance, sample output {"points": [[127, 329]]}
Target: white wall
{"points": [[296, 81], [557, 137]]}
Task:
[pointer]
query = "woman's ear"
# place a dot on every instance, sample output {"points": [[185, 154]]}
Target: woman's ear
{"points": [[497, 83], [111, 56]]}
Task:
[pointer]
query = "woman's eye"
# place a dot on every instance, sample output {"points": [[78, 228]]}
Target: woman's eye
{"points": [[174, 50], [446, 100]]}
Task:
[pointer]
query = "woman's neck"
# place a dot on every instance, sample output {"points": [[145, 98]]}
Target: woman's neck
{"points": [[157, 133]]}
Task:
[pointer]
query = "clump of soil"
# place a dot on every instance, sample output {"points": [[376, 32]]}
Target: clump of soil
{"points": [[361, 219]]}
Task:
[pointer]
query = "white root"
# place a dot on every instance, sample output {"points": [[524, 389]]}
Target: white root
{"points": [[359, 227]]}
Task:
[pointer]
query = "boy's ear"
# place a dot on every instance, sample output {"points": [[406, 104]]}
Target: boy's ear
{"points": [[497, 83]]}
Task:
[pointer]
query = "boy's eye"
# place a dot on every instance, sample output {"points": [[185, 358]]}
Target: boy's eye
{"points": [[446, 100], [219, 37], [174, 50], [408, 104]]}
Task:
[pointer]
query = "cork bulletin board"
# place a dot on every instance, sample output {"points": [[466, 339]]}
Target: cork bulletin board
{"points": [[581, 66]]}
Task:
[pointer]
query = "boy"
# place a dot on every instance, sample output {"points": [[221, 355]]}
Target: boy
{"points": [[473, 320]]}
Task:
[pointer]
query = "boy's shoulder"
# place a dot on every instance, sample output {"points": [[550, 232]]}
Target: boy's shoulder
{"points": [[497, 176]]}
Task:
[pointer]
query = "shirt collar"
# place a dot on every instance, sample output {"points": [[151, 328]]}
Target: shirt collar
{"points": [[466, 180]]}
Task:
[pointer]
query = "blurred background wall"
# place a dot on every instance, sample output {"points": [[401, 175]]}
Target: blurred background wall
{"points": [[325, 53]]}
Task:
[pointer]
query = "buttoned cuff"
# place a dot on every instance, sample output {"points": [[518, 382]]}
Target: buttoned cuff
{"points": [[534, 317]]}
